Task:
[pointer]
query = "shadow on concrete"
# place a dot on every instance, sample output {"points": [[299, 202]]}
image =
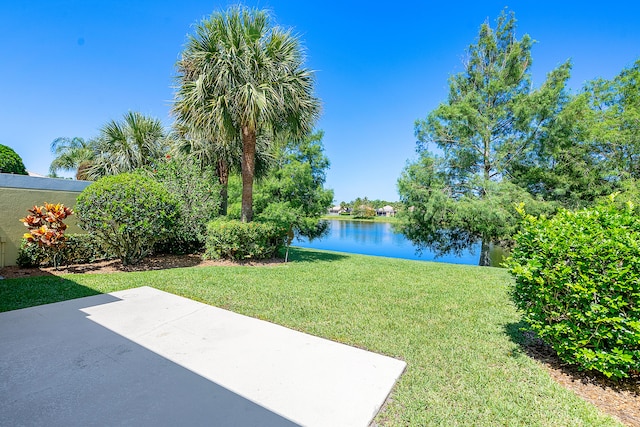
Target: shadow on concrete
{"points": [[57, 367]]}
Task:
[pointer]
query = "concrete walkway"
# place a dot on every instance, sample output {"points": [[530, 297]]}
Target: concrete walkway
{"points": [[146, 357]]}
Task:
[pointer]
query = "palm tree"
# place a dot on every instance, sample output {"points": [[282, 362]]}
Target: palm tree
{"points": [[223, 155], [72, 154], [135, 142], [241, 78]]}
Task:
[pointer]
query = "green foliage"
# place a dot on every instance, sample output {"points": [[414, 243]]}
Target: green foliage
{"points": [[198, 195], [241, 79], [232, 239], [492, 116], [376, 204], [129, 213], [10, 161], [292, 193], [363, 209], [491, 120], [437, 221], [592, 147], [73, 154], [578, 285], [563, 165], [454, 325], [137, 141], [78, 249], [615, 128]]}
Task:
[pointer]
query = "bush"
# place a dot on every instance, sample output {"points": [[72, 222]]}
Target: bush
{"points": [[232, 239], [363, 212], [10, 161], [78, 249], [128, 213], [199, 196], [578, 285]]}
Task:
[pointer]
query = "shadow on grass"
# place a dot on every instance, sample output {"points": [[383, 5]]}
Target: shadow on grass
{"points": [[310, 255], [530, 345], [31, 291]]}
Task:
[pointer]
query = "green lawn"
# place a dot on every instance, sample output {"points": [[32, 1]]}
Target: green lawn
{"points": [[454, 326]]}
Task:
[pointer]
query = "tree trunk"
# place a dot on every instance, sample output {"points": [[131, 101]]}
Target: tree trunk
{"points": [[485, 254], [248, 169], [222, 170]]}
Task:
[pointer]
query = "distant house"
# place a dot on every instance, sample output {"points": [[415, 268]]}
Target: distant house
{"points": [[335, 210], [386, 211]]}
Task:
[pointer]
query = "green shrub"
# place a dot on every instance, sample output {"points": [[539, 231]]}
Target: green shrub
{"points": [[10, 161], [232, 239], [199, 196], [78, 249], [363, 212], [578, 285], [128, 213]]}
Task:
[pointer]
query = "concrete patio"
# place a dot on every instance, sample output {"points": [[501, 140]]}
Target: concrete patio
{"points": [[147, 357]]}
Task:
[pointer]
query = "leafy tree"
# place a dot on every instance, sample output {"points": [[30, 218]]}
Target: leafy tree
{"points": [[615, 130], [73, 154], [292, 194], [592, 148], [198, 201], [363, 209], [240, 77], [210, 151], [123, 146], [563, 166], [490, 121], [442, 223], [10, 161]]}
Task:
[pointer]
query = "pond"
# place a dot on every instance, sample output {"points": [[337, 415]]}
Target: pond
{"points": [[379, 238]]}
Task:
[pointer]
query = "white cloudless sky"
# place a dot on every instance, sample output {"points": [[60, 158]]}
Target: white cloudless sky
{"points": [[68, 67]]}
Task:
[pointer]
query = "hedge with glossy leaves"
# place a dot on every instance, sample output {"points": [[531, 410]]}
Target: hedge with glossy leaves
{"points": [[578, 285]]}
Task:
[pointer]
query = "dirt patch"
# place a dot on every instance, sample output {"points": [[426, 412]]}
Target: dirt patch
{"points": [[158, 262]]}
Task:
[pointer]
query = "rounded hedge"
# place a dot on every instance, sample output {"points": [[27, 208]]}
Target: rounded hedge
{"points": [[232, 239], [129, 213], [10, 161], [577, 281]]}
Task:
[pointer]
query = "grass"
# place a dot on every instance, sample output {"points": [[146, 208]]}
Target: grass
{"points": [[454, 325]]}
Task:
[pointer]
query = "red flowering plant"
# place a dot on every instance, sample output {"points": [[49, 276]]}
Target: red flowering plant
{"points": [[46, 227]]}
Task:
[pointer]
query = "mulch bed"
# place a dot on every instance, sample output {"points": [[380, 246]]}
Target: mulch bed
{"points": [[158, 262], [622, 399]]}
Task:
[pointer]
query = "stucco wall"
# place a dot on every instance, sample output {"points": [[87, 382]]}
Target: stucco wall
{"points": [[19, 193]]}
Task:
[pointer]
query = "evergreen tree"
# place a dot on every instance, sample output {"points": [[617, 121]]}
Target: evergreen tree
{"points": [[491, 120]]}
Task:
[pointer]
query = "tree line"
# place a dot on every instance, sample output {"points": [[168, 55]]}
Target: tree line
{"points": [[497, 142]]}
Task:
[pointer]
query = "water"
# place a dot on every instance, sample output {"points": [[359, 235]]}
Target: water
{"points": [[379, 238]]}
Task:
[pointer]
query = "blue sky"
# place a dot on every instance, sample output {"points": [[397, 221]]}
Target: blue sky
{"points": [[70, 66]]}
